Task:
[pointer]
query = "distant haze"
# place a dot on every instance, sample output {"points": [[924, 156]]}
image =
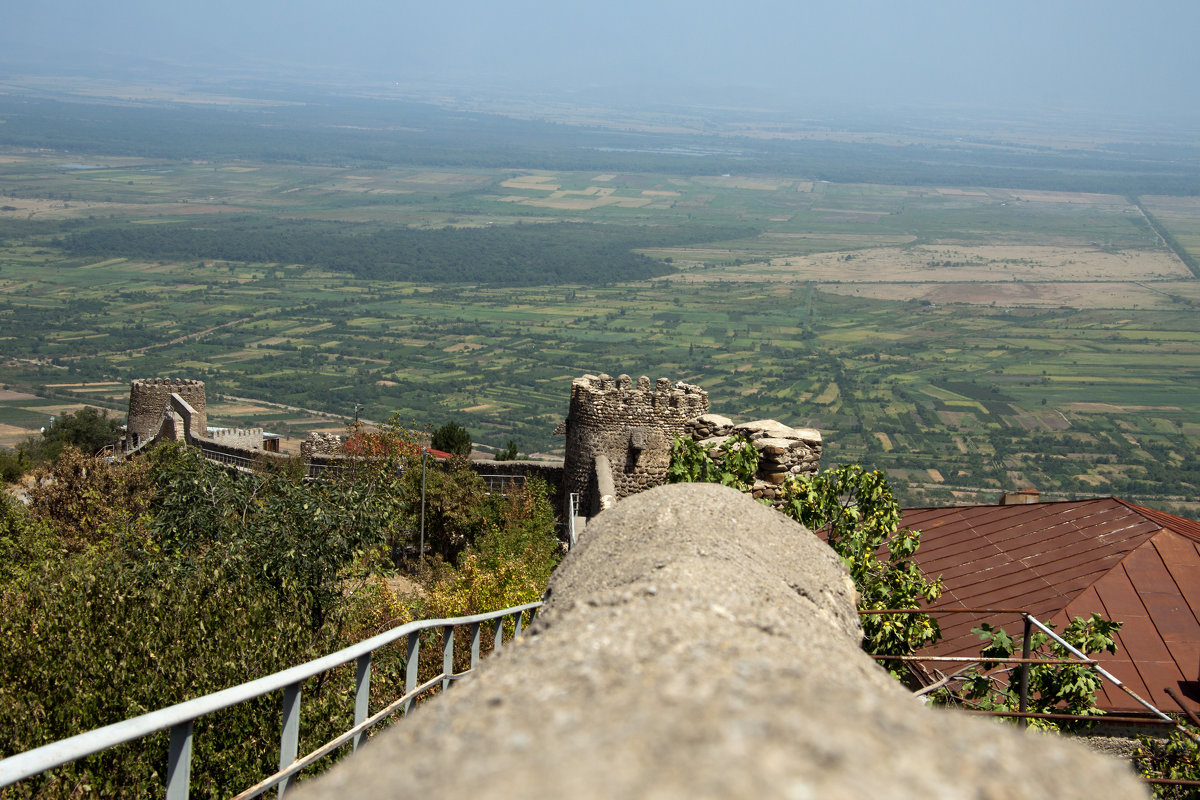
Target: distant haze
{"points": [[1063, 55]]}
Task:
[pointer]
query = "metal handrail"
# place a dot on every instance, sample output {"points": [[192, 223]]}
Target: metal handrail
{"points": [[180, 717], [1025, 660]]}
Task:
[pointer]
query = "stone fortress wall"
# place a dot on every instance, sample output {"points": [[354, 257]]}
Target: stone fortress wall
{"points": [[631, 427], [782, 451], [619, 436]]}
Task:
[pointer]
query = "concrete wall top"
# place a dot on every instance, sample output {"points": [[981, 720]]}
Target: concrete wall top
{"points": [[697, 644]]}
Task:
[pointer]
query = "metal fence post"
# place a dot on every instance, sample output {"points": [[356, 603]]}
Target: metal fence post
{"points": [[520, 623], [179, 761], [289, 740], [474, 644], [412, 665], [362, 695], [447, 655], [498, 643], [1023, 685]]}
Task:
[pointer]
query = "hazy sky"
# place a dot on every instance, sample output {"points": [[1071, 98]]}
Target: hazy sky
{"points": [[1086, 54]]}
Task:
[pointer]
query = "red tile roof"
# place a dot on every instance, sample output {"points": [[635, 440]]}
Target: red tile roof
{"points": [[1069, 559]]}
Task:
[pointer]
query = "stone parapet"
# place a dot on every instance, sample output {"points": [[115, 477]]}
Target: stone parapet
{"points": [[696, 644]]}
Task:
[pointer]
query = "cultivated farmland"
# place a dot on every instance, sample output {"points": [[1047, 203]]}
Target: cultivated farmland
{"points": [[967, 339]]}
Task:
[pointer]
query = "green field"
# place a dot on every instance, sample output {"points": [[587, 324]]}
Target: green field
{"points": [[1002, 337]]}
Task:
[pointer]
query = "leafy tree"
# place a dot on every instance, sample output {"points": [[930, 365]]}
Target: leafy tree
{"points": [[208, 578], [452, 438], [13, 465], [859, 515], [509, 453], [1174, 758], [25, 542], [89, 501], [87, 429]]}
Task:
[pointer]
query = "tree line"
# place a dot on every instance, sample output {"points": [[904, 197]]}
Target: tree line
{"points": [[516, 255]]}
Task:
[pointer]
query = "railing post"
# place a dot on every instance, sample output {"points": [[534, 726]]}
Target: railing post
{"points": [[289, 740], [412, 665], [447, 655], [498, 642], [474, 644], [1023, 685], [362, 695], [179, 761], [520, 622]]}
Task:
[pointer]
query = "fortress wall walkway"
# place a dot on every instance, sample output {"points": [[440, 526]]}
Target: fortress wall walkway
{"points": [[697, 644]]}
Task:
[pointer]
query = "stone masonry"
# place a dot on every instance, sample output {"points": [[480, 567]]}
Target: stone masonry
{"points": [[321, 444], [632, 424], [782, 451], [150, 398]]}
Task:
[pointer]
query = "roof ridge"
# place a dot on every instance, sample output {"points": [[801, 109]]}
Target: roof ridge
{"points": [[1164, 519]]}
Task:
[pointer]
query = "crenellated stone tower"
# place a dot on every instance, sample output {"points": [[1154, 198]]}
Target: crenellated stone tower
{"points": [[149, 398], [632, 425]]}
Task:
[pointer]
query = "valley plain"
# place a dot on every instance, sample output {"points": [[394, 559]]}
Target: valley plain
{"points": [[968, 339]]}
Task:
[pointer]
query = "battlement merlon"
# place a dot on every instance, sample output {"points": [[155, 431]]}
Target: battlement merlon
{"points": [[605, 393]]}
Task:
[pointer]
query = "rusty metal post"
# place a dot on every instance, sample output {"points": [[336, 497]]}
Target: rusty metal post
{"points": [[1023, 686]]}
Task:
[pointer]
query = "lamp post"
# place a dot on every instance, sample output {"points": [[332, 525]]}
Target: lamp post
{"points": [[421, 550]]}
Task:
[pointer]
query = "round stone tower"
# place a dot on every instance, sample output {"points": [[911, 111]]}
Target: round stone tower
{"points": [[632, 424], [150, 397]]}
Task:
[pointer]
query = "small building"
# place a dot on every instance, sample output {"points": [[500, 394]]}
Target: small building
{"points": [[1063, 560]]}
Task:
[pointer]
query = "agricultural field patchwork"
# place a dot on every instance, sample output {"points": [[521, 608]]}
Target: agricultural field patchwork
{"points": [[967, 340]]}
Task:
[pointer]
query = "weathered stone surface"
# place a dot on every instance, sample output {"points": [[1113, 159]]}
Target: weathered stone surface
{"points": [[150, 398], [765, 428], [699, 645], [771, 446], [321, 444], [630, 424], [809, 435]]}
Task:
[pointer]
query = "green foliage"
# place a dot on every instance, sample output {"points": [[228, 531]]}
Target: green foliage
{"points": [[1174, 758], [452, 438], [87, 429], [734, 463], [299, 540], [220, 577], [860, 518], [1053, 689], [25, 543], [13, 465], [509, 453], [91, 641], [89, 500]]}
